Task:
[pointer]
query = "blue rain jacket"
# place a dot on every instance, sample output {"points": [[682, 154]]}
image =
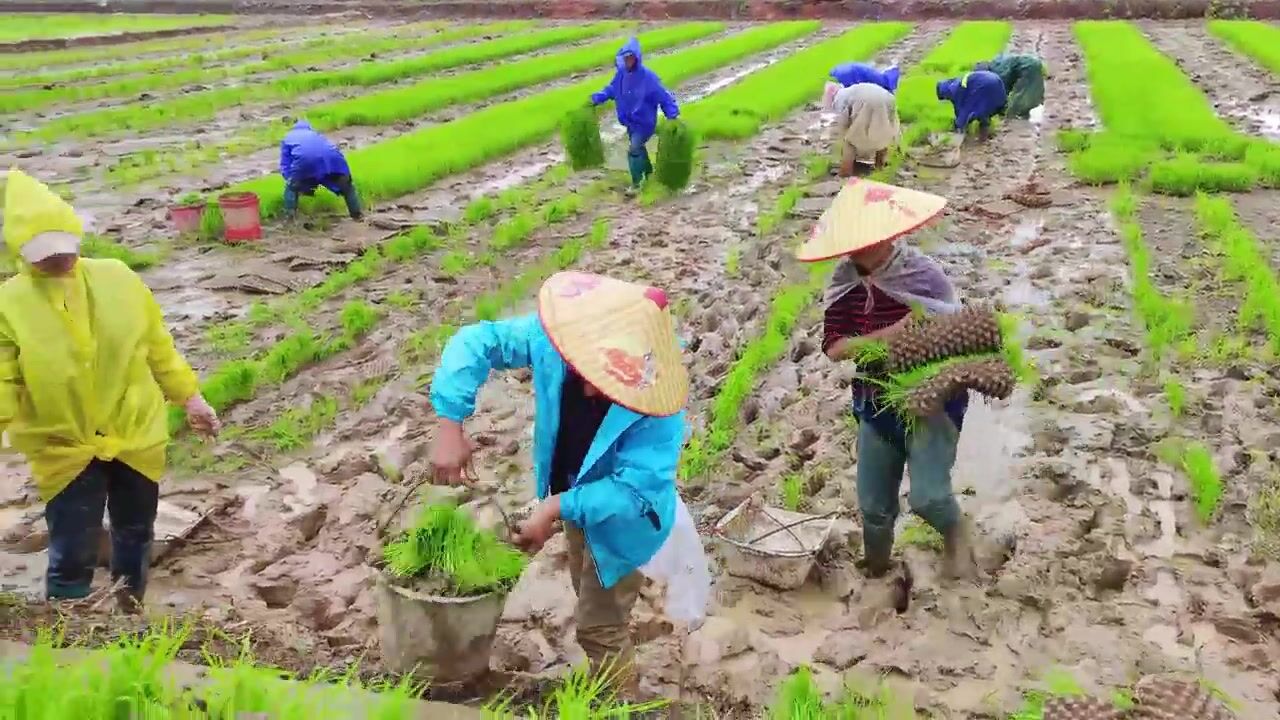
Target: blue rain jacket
{"points": [[849, 74], [638, 94], [307, 158], [977, 96], [624, 497]]}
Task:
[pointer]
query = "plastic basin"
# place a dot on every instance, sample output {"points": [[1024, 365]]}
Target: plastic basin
{"points": [[240, 216]]}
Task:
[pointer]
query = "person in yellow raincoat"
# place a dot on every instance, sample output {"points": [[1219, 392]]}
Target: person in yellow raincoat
{"points": [[86, 366]]}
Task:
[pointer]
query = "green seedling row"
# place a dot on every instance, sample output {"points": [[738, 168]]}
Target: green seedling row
{"points": [[1255, 39], [799, 697], [19, 27], [969, 43], [1158, 124], [185, 48], [318, 51], [773, 92], [1166, 320], [96, 246], [235, 45], [1245, 261], [397, 104], [412, 161], [201, 106]]}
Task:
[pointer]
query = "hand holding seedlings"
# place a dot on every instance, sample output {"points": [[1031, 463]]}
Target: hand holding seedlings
{"points": [[538, 529], [451, 455]]}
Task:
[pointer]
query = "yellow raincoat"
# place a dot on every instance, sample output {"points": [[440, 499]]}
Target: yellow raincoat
{"points": [[86, 363]]}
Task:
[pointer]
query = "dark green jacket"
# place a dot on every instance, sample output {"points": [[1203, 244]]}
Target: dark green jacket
{"points": [[1023, 76]]}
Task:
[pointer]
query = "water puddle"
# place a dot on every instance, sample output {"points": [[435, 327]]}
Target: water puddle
{"points": [[1022, 292], [1165, 591], [1026, 232], [724, 82], [1265, 121], [995, 433], [806, 607], [1120, 486]]}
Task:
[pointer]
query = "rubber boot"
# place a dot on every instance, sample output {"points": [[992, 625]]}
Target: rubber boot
{"points": [[877, 550], [636, 164], [958, 561]]}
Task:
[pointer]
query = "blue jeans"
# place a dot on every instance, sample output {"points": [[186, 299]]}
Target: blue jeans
{"points": [[885, 448], [638, 158], [74, 517], [337, 184]]}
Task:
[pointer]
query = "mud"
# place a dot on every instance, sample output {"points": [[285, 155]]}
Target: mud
{"points": [[89, 40], [1091, 558]]}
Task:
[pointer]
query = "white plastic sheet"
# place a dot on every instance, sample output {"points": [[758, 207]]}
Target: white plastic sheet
{"points": [[682, 565]]}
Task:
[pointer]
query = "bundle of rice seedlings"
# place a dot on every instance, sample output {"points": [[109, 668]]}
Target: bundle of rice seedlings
{"points": [[580, 133], [1161, 697], [1080, 708], [675, 155], [444, 544], [971, 331]]}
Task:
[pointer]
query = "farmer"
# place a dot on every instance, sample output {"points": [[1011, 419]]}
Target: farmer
{"points": [[854, 73], [866, 125], [976, 96], [608, 429], [638, 93], [1023, 76], [86, 368], [307, 161], [876, 283]]}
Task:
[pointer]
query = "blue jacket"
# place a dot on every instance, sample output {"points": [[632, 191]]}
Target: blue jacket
{"points": [[627, 481], [976, 96], [307, 158], [853, 73], [637, 94]]}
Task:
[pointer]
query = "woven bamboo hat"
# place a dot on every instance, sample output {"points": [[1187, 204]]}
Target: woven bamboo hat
{"points": [[619, 337], [867, 213]]}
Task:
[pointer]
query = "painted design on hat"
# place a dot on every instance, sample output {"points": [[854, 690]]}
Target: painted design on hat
{"points": [[879, 194], [629, 363], [575, 284]]}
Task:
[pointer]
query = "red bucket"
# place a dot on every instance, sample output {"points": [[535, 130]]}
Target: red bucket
{"points": [[240, 216], [186, 218]]}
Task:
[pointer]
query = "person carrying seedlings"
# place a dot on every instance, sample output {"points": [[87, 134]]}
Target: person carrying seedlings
{"points": [[638, 93], [866, 125], [873, 291], [307, 161], [855, 73], [977, 97], [86, 371], [1023, 76], [610, 388]]}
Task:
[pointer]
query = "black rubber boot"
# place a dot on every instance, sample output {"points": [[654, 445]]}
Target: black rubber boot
{"points": [[877, 550]]}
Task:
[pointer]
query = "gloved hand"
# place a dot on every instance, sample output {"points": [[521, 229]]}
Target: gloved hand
{"points": [[201, 417]]}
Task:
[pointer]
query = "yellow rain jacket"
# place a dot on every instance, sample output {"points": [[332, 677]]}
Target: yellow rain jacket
{"points": [[86, 363]]}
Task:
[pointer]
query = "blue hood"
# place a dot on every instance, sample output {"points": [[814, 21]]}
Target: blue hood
{"points": [[302, 125], [947, 88], [849, 74], [978, 95], [630, 47]]}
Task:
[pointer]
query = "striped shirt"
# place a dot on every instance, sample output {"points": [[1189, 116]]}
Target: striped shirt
{"points": [[848, 316]]}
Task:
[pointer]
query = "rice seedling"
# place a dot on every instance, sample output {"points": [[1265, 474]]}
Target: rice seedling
{"points": [[22, 26], [295, 427], [676, 145], [918, 533], [358, 317], [188, 50], [1254, 39], [403, 299], [1167, 320], [319, 51], [741, 109], [1202, 475], [1056, 683], [1244, 261], [704, 449], [96, 246], [200, 106], [787, 200], [582, 695], [1175, 394], [791, 491], [211, 224], [413, 160], [1185, 175], [799, 698], [444, 544], [732, 260], [967, 44]]}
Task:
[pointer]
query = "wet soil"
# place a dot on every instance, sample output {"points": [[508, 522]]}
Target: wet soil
{"points": [[1091, 557], [88, 40]]}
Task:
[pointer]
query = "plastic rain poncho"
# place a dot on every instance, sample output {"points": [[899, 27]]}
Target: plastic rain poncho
{"points": [[908, 276], [307, 158], [1023, 78], [86, 363], [867, 117], [978, 96], [637, 94], [854, 73]]}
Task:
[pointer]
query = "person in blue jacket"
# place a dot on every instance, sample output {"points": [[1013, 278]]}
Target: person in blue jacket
{"points": [[638, 93], [977, 96], [855, 73], [307, 161], [609, 386]]}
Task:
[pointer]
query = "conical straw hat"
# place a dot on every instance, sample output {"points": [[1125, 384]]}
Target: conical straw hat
{"points": [[619, 337], [866, 213]]}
